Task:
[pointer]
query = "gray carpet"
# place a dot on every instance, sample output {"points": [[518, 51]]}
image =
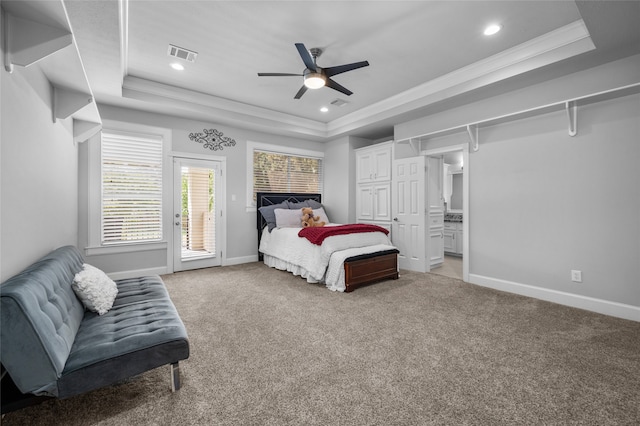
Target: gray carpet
{"points": [[269, 349]]}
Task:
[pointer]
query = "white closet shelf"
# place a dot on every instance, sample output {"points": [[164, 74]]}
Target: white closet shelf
{"points": [[38, 33], [570, 105]]}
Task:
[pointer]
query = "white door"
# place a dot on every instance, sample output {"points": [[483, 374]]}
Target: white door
{"points": [[196, 214], [435, 210], [409, 213]]}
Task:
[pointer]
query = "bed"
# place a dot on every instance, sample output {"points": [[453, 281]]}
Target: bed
{"points": [[344, 261]]}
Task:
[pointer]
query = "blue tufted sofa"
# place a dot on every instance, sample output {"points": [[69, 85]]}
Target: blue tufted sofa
{"points": [[50, 346]]}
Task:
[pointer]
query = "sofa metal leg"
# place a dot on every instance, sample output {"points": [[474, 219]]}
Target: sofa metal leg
{"points": [[175, 377]]}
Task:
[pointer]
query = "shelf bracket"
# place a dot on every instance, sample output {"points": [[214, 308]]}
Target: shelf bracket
{"points": [[83, 130], [472, 130], [26, 41], [415, 145], [67, 102], [572, 116]]}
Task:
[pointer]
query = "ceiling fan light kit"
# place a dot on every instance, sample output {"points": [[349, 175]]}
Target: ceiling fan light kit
{"points": [[314, 77], [314, 80]]}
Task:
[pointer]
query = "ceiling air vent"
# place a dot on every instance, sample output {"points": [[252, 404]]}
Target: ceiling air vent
{"points": [[339, 102], [182, 53]]}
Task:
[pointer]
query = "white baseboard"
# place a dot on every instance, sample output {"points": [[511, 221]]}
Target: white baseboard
{"points": [[240, 260], [165, 270], [614, 309], [138, 273]]}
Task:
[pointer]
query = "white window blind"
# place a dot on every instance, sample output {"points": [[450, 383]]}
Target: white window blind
{"points": [[131, 188], [281, 172]]}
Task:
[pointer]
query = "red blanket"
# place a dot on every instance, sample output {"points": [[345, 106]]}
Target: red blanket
{"points": [[318, 234]]}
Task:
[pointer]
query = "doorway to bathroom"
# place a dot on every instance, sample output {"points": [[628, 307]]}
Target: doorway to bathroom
{"points": [[455, 196]]}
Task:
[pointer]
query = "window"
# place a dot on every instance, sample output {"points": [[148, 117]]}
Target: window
{"points": [[131, 188], [284, 170]]}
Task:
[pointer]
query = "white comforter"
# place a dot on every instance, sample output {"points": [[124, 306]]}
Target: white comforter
{"points": [[283, 249]]}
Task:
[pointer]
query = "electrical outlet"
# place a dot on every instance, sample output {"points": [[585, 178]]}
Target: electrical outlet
{"points": [[576, 276]]}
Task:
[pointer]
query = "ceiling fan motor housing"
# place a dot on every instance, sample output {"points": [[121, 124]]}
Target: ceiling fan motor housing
{"points": [[315, 52]]}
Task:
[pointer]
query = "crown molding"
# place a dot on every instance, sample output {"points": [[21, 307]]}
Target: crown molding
{"points": [[562, 43], [187, 103]]}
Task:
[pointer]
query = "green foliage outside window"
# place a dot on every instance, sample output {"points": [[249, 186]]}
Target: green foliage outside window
{"points": [[273, 172]]}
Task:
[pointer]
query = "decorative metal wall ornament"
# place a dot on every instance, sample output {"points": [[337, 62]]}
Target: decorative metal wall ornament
{"points": [[212, 139]]}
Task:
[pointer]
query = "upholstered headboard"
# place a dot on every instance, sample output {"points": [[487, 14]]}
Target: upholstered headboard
{"points": [[271, 198]]}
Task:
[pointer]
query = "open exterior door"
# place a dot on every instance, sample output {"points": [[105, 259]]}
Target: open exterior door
{"points": [[197, 214], [409, 213]]}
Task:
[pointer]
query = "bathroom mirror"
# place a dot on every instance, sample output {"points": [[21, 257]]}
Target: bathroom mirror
{"points": [[456, 193]]}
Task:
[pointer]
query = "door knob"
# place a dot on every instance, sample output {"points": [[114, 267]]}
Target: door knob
{"points": [[177, 223], [395, 219]]}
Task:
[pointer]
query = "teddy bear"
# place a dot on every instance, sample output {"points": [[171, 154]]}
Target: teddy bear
{"points": [[308, 219]]}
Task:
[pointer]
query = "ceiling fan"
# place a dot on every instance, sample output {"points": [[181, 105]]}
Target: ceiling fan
{"points": [[315, 77]]}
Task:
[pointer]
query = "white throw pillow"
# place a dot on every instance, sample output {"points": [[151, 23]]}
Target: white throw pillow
{"points": [[95, 289], [321, 213], [286, 218]]}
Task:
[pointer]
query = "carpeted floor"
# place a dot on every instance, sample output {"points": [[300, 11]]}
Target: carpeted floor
{"points": [[269, 349]]}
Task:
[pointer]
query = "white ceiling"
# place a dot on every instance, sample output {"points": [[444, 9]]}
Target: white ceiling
{"points": [[420, 54]]}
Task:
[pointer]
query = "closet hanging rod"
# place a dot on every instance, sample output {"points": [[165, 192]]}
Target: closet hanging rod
{"points": [[555, 106]]}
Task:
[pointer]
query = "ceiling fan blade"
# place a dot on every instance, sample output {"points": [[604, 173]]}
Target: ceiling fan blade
{"points": [[331, 71], [339, 88], [301, 92], [277, 74], [306, 57]]}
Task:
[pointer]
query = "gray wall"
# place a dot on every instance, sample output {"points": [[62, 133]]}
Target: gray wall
{"points": [[340, 178], [39, 173], [336, 175], [241, 228], [543, 203]]}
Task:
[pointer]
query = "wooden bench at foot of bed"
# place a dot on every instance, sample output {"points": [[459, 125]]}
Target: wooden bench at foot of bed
{"points": [[369, 268]]}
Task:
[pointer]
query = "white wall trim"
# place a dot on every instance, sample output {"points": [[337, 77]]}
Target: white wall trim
{"points": [[123, 15], [164, 270], [161, 270], [193, 156], [240, 260], [125, 248], [606, 307]]}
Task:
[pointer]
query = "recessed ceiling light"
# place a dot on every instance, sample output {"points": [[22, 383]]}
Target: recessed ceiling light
{"points": [[492, 29], [177, 66], [324, 109]]}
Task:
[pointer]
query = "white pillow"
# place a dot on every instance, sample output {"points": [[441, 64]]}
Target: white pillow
{"points": [[95, 289], [323, 216], [286, 218]]}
